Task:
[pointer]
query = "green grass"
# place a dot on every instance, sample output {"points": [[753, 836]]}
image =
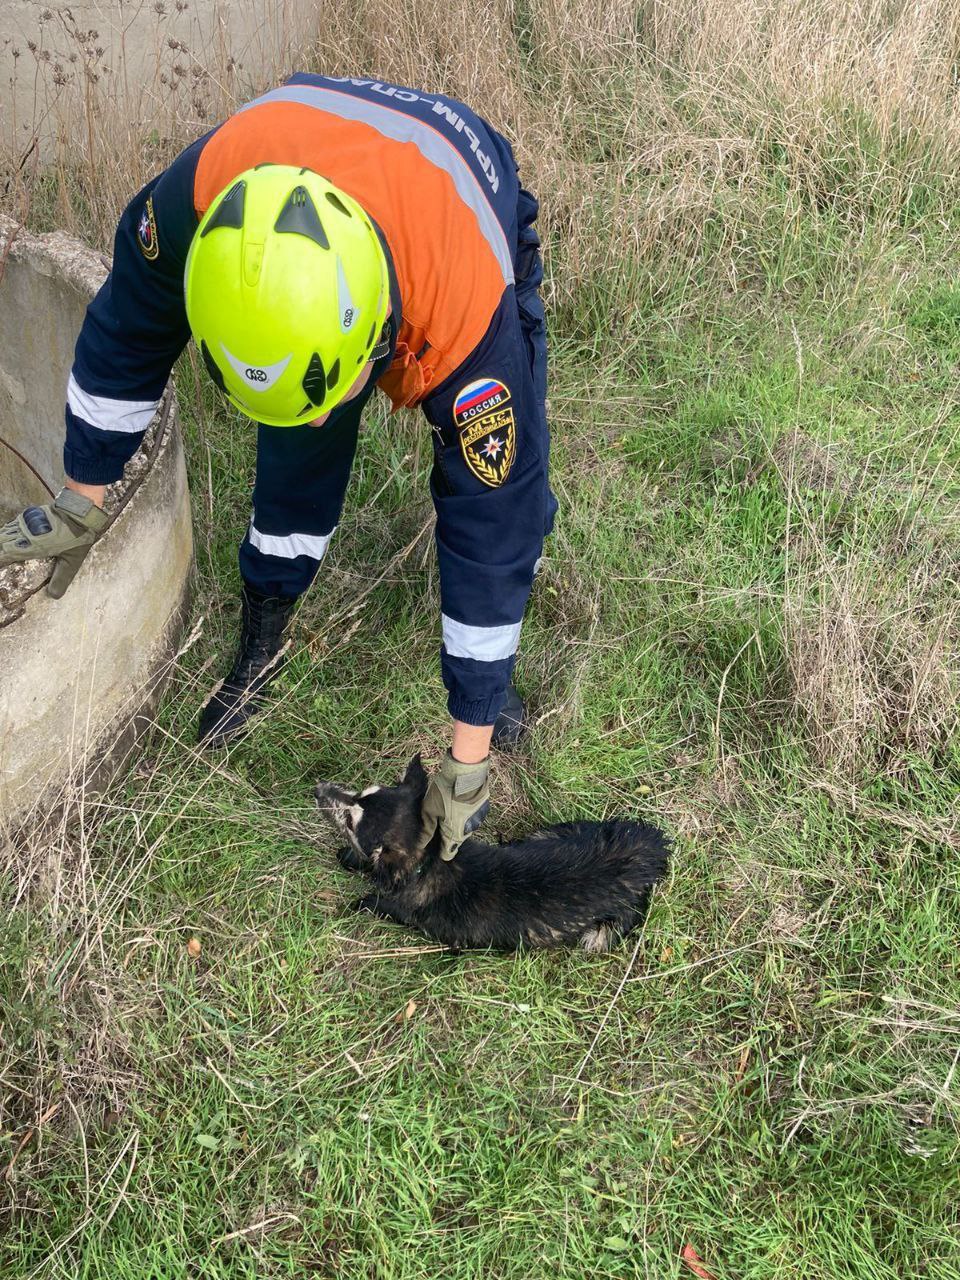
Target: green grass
{"points": [[770, 1077], [746, 630]]}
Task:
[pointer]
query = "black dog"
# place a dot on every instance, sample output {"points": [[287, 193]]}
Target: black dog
{"points": [[579, 882]]}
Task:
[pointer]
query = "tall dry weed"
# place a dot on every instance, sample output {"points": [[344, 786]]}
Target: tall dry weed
{"points": [[669, 141], [873, 672], [639, 127], [106, 99]]}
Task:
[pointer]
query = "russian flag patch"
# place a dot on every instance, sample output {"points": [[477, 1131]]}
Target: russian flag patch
{"points": [[479, 398]]}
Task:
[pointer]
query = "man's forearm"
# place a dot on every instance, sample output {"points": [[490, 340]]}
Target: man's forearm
{"points": [[95, 492], [471, 742]]}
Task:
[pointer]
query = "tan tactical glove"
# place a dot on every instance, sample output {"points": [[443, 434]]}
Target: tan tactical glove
{"points": [[457, 801], [65, 529]]}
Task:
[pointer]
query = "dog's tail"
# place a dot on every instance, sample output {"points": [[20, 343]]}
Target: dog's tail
{"points": [[642, 857], [647, 849]]}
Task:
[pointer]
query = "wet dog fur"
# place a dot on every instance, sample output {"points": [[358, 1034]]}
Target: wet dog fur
{"points": [[579, 883]]}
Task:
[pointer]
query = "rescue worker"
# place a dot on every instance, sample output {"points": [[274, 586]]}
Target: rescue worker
{"points": [[332, 236]]}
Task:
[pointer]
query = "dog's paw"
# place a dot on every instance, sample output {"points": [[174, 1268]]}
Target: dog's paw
{"points": [[373, 903], [383, 906], [350, 859]]}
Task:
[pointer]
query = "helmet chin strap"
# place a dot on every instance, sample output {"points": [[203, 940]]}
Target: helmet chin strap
{"points": [[382, 346]]}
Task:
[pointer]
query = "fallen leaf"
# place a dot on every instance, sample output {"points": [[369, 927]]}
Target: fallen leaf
{"points": [[692, 1259], [47, 1115], [666, 955], [193, 948], [407, 1013]]}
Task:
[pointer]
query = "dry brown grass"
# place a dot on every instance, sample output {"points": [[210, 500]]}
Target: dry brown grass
{"points": [[636, 127], [873, 671], [871, 623], [679, 149], [682, 141]]}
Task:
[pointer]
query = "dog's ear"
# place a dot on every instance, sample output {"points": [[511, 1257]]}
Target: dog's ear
{"points": [[416, 775]]}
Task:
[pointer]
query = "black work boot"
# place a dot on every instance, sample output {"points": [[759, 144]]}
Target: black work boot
{"points": [[238, 698], [511, 724]]}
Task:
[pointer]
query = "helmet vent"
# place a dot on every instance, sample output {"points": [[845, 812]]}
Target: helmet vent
{"points": [[299, 216], [334, 375], [229, 212], [212, 367], [338, 204], [315, 381]]}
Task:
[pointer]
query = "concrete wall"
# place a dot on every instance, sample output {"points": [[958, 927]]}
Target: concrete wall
{"points": [[43, 90], [39, 321], [76, 672]]}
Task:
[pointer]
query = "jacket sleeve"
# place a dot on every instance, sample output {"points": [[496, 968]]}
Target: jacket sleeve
{"points": [[489, 488], [134, 328]]}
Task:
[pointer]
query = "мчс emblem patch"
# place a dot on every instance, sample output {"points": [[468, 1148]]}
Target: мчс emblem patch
{"points": [[488, 438], [147, 232], [489, 446]]}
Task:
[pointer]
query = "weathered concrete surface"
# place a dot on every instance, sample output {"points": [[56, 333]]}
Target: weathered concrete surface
{"points": [[144, 55], [45, 286], [74, 672]]}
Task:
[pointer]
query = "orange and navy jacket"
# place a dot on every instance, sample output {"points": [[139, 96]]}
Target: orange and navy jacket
{"points": [[441, 185]]}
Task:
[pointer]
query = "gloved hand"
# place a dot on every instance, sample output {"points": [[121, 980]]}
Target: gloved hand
{"points": [[457, 801], [66, 528]]}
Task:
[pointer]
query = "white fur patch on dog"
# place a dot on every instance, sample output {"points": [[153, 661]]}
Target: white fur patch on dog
{"points": [[356, 813], [339, 812], [369, 791], [597, 939]]}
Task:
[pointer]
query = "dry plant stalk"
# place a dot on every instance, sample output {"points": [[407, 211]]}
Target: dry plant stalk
{"points": [[635, 131], [639, 127]]}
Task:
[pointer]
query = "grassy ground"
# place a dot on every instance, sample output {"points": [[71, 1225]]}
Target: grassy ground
{"points": [[747, 629]]}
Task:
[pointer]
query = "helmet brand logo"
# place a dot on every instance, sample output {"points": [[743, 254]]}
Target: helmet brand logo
{"points": [[256, 377], [349, 311]]}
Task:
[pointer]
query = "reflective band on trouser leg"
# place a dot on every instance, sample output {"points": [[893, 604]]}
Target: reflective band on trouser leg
{"points": [[290, 545], [281, 564], [484, 644], [302, 475]]}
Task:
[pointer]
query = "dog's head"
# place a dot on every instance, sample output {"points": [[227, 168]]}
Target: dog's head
{"points": [[382, 824]]}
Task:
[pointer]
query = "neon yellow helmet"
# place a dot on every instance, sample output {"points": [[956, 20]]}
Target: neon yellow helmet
{"points": [[287, 291]]}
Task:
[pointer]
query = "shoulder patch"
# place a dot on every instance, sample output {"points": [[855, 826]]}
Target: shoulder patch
{"points": [[478, 398], [488, 436], [489, 446], [147, 232]]}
